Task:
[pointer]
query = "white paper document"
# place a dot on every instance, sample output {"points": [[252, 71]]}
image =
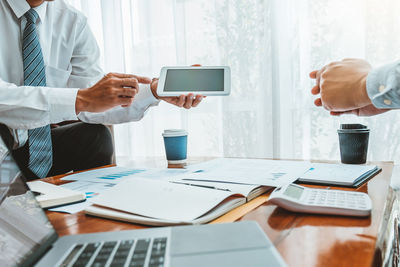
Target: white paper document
{"points": [[90, 189], [93, 182], [162, 174], [116, 174], [161, 199], [248, 171], [108, 175]]}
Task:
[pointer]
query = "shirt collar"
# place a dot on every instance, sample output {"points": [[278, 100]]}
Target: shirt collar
{"points": [[41, 10], [20, 7]]}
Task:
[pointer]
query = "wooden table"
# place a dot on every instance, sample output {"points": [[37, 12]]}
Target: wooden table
{"points": [[302, 240]]}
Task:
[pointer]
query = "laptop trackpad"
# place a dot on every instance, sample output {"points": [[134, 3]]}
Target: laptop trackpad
{"points": [[254, 258], [221, 245]]}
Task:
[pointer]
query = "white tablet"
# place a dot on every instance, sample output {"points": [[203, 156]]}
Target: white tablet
{"points": [[175, 81]]}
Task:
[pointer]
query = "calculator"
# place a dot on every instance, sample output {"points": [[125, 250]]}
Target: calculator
{"points": [[321, 201]]}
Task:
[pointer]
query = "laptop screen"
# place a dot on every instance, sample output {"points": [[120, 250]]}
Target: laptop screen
{"points": [[24, 227]]}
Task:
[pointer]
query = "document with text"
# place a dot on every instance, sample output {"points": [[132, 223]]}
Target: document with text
{"points": [[248, 171], [116, 174]]}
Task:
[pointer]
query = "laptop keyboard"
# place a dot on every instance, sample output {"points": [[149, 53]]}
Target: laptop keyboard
{"points": [[133, 253]]}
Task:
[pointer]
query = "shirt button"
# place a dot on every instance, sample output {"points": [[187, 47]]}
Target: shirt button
{"points": [[381, 88], [387, 102]]}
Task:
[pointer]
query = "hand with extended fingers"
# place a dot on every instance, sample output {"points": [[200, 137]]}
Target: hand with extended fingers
{"points": [[114, 89]]}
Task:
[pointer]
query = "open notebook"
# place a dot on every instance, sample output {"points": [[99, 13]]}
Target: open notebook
{"points": [[248, 190], [159, 203]]}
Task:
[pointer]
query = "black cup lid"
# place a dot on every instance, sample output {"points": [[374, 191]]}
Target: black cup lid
{"points": [[353, 126], [349, 131]]}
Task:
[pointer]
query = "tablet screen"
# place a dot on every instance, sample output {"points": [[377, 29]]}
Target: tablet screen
{"points": [[186, 80]]}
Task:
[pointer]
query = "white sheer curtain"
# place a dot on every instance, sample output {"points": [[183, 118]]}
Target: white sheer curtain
{"points": [[271, 46]]}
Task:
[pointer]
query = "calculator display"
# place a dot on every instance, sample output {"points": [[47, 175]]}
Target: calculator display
{"points": [[293, 191]]}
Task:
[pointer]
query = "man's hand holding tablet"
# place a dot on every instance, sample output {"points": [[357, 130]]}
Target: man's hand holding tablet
{"points": [[186, 101], [187, 86]]}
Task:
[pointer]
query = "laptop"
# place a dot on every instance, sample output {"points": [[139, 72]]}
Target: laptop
{"points": [[27, 238]]}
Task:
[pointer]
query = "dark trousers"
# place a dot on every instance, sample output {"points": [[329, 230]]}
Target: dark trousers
{"points": [[77, 146]]}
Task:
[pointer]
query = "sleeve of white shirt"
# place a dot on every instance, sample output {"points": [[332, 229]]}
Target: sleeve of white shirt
{"points": [[383, 86], [86, 71], [143, 100], [26, 107]]}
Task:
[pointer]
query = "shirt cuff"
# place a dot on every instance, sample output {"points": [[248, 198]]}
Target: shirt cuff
{"points": [[62, 104], [145, 98], [383, 86]]}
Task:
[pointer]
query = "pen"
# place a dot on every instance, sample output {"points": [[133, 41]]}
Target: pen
{"points": [[205, 186]]}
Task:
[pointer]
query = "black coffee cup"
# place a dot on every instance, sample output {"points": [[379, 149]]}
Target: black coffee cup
{"points": [[353, 141]]}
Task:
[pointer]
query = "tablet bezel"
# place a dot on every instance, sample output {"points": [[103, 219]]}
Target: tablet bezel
{"points": [[163, 75]]}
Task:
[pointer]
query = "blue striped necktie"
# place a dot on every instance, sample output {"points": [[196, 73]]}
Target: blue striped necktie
{"points": [[39, 139]]}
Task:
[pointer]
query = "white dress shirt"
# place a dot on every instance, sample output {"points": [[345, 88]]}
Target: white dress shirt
{"points": [[383, 86], [71, 57]]}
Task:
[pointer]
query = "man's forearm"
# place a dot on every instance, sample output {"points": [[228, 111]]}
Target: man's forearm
{"points": [[25, 107], [383, 86]]}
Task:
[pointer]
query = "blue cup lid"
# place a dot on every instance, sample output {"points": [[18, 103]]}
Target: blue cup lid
{"points": [[174, 132]]}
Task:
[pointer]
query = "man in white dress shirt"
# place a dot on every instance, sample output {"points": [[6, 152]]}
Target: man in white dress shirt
{"points": [[69, 57]]}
